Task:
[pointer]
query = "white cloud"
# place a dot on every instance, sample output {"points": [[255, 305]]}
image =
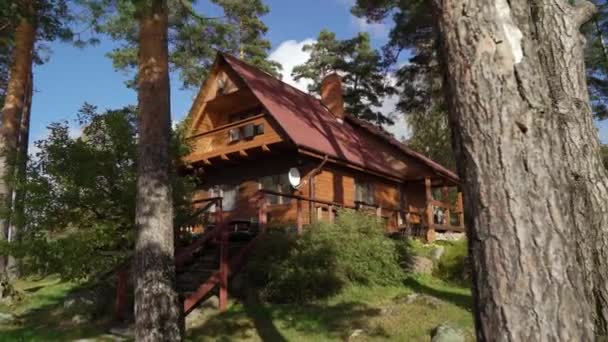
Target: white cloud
{"points": [[289, 53], [376, 30]]}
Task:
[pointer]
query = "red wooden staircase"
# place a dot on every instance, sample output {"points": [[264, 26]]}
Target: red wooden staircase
{"points": [[203, 266]]}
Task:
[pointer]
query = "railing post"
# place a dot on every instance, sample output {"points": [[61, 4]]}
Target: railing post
{"points": [[299, 219], [379, 212], [121, 294], [446, 199], [331, 213], [224, 247], [319, 213], [430, 232], [460, 208]]}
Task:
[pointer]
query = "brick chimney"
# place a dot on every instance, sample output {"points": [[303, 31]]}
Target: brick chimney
{"points": [[331, 94]]}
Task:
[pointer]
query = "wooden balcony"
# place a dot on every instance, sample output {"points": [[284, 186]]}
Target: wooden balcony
{"points": [[217, 143]]}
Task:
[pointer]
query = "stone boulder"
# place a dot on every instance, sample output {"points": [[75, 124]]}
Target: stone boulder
{"points": [[437, 253], [448, 333], [7, 318], [421, 265]]}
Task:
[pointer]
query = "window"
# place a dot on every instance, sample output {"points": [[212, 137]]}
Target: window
{"points": [[364, 192], [228, 193], [278, 183]]}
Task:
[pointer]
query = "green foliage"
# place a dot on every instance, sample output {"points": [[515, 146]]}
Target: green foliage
{"points": [[431, 135], [80, 195], [604, 152], [361, 68], [325, 259], [193, 38], [596, 60], [247, 32], [455, 264]]}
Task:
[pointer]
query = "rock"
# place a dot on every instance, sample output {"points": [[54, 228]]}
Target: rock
{"points": [[212, 302], [6, 318], [80, 319], [437, 253], [355, 333], [447, 333], [123, 331], [421, 265], [450, 236], [81, 299], [195, 318], [422, 299]]}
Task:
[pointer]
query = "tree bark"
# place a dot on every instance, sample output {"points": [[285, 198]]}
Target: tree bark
{"points": [[21, 68], [17, 223], [157, 309], [536, 192]]}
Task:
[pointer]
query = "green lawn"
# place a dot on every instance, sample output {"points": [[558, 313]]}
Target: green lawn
{"points": [[381, 312]]}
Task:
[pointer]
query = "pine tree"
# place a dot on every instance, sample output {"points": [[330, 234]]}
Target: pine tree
{"points": [[419, 81], [193, 37], [248, 32], [28, 21], [361, 67], [535, 188]]}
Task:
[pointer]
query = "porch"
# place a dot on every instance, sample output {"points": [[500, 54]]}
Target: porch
{"points": [[441, 211]]}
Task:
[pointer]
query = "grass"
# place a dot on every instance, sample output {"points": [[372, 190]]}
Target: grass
{"points": [[41, 316], [381, 312]]}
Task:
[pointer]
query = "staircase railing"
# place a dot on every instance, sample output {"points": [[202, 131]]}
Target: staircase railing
{"points": [[182, 255]]}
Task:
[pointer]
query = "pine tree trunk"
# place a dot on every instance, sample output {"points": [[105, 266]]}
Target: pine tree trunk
{"points": [[536, 193], [157, 310], [21, 67], [18, 222]]}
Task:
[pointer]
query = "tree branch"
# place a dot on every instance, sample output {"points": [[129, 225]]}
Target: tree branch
{"points": [[584, 10], [186, 6]]}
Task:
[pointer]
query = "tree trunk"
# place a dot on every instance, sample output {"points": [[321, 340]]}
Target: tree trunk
{"points": [[536, 192], [157, 309], [18, 222], [21, 67]]}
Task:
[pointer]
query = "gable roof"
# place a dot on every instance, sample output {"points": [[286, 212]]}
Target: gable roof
{"points": [[310, 125]]}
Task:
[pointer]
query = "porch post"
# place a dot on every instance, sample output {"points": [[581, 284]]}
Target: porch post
{"points": [[223, 300], [446, 199], [262, 214], [121, 293], [460, 206], [299, 219], [331, 213], [430, 232]]}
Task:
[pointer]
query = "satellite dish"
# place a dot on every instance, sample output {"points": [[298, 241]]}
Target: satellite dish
{"points": [[294, 177]]}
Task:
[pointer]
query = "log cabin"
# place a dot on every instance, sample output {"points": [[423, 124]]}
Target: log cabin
{"points": [[271, 154], [267, 154]]}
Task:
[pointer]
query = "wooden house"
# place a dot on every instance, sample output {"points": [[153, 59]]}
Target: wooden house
{"points": [[271, 154], [267, 153]]}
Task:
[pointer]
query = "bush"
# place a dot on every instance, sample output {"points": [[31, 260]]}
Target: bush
{"points": [[455, 264], [325, 259]]}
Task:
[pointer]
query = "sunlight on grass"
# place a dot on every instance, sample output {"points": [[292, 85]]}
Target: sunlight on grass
{"points": [[40, 316], [382, 313]]}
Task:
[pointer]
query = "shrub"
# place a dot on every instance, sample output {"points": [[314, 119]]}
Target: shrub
{"points": [[326, 258], [454, 265]]}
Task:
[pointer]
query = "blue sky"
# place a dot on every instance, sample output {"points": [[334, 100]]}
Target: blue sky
{"points": [[74, 76]]}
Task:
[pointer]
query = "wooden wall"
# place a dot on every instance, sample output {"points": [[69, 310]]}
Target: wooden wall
{"points": [[333, 184]]}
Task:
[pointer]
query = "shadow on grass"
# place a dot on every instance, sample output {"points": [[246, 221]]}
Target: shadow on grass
{"points": [[464, 301], [326, 321], [46, 319]]}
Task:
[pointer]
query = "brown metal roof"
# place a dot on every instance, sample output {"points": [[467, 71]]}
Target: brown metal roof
{"points": [[310, 125]]}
